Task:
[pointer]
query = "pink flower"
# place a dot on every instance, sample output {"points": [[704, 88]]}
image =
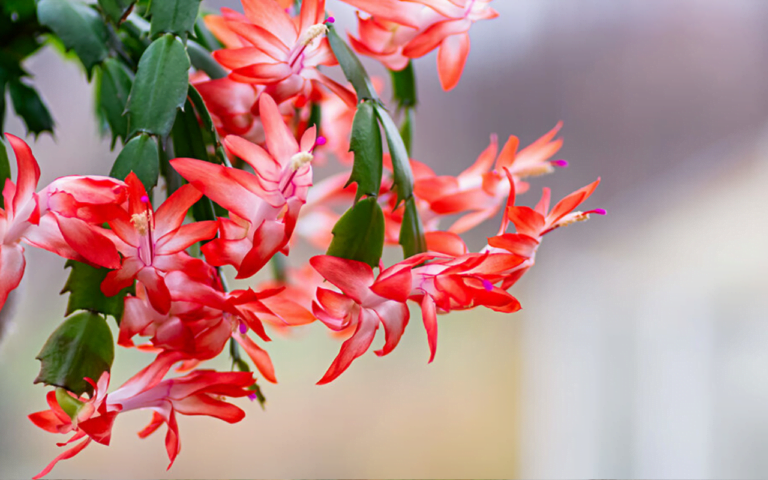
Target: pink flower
{"points": [[263, 206], [153, 243], [198, 393], [59, 219]]}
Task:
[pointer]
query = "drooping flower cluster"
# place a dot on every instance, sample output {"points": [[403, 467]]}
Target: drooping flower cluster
{"points": [[264, 111]]}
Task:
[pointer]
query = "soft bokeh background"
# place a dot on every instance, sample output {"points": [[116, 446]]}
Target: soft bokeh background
{"points": [[642, 350]]}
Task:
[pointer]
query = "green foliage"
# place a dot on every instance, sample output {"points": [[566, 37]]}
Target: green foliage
{"points": [[116, 10], [412, 232], [404, 86], [351, 66], [367, 147], [79, 27], [160, 87], [114, 86], [359, 233], [141, 157], [406, 130], [173, 16], [202, 112], [84, 288], [203, 61], [5, 170], [30, 107], [82, 347], [187, 136], [400, 162]]}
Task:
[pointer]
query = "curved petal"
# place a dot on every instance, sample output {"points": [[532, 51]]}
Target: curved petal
{"points": [[12, 265], [269, 15], [171, 213], [448, 243], [352, 277], [280, 141], [255, 156], [67, 454], [451, 58], [429, 316], [258, 355], [157, 292], [117, 280], [185, 236], [85, 240], [356, 345], [213, 181], [434, 36], [394, 316], [28, 171]]}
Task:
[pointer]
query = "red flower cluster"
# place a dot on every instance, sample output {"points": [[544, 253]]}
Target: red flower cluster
{"points": [[181, 309]]}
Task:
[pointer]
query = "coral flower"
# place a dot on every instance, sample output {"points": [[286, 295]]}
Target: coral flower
{"points": [[278, 51], [403, 29]]}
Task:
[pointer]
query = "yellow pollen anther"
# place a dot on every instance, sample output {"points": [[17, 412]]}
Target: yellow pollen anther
{"points": [[537, 170], [577, 217], [300, 159], [140, 223], [313, 32]]}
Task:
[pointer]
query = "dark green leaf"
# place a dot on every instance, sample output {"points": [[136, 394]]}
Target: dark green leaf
{"points": [[315, 116], [366, 144], [400, 162], [187, 136], [30, 107], [5, 169], [84, 288], [359, 233], [116, 10], [115, 84], [404, 86], [203, 61], [82, 347], [202, 111], [351, 66], [173, 16], [141, 157], [160, 87], [23, 8], [79, 27], [411, 231]]}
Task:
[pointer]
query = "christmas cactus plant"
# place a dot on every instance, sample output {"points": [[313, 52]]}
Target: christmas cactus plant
{"points": [[219, 120]]}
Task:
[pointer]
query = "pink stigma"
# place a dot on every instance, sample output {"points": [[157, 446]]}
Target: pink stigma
{"points": [[321, 141], [488, 286], [331, 20], [243, 328], [251, 396], [560, 163], [599, 211], [144, 199]]}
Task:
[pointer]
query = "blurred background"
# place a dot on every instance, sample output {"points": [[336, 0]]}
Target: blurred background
{"points": [[642, 349]]}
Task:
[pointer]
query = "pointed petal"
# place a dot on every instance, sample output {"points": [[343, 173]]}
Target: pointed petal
{"points": [[213, 181], [269, 15], [12, 265], [171, 213], [28, 171], [435, 35], [258, 355], [93, 246], [356, 345], [67, 454], [429, 316], [157, 292], [451, 58], [185, 236], [280, 141], [394, 316], [352, 277]]}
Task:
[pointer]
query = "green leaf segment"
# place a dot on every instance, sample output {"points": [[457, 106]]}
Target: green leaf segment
{"points": [[82, 347], [359, 234]]}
